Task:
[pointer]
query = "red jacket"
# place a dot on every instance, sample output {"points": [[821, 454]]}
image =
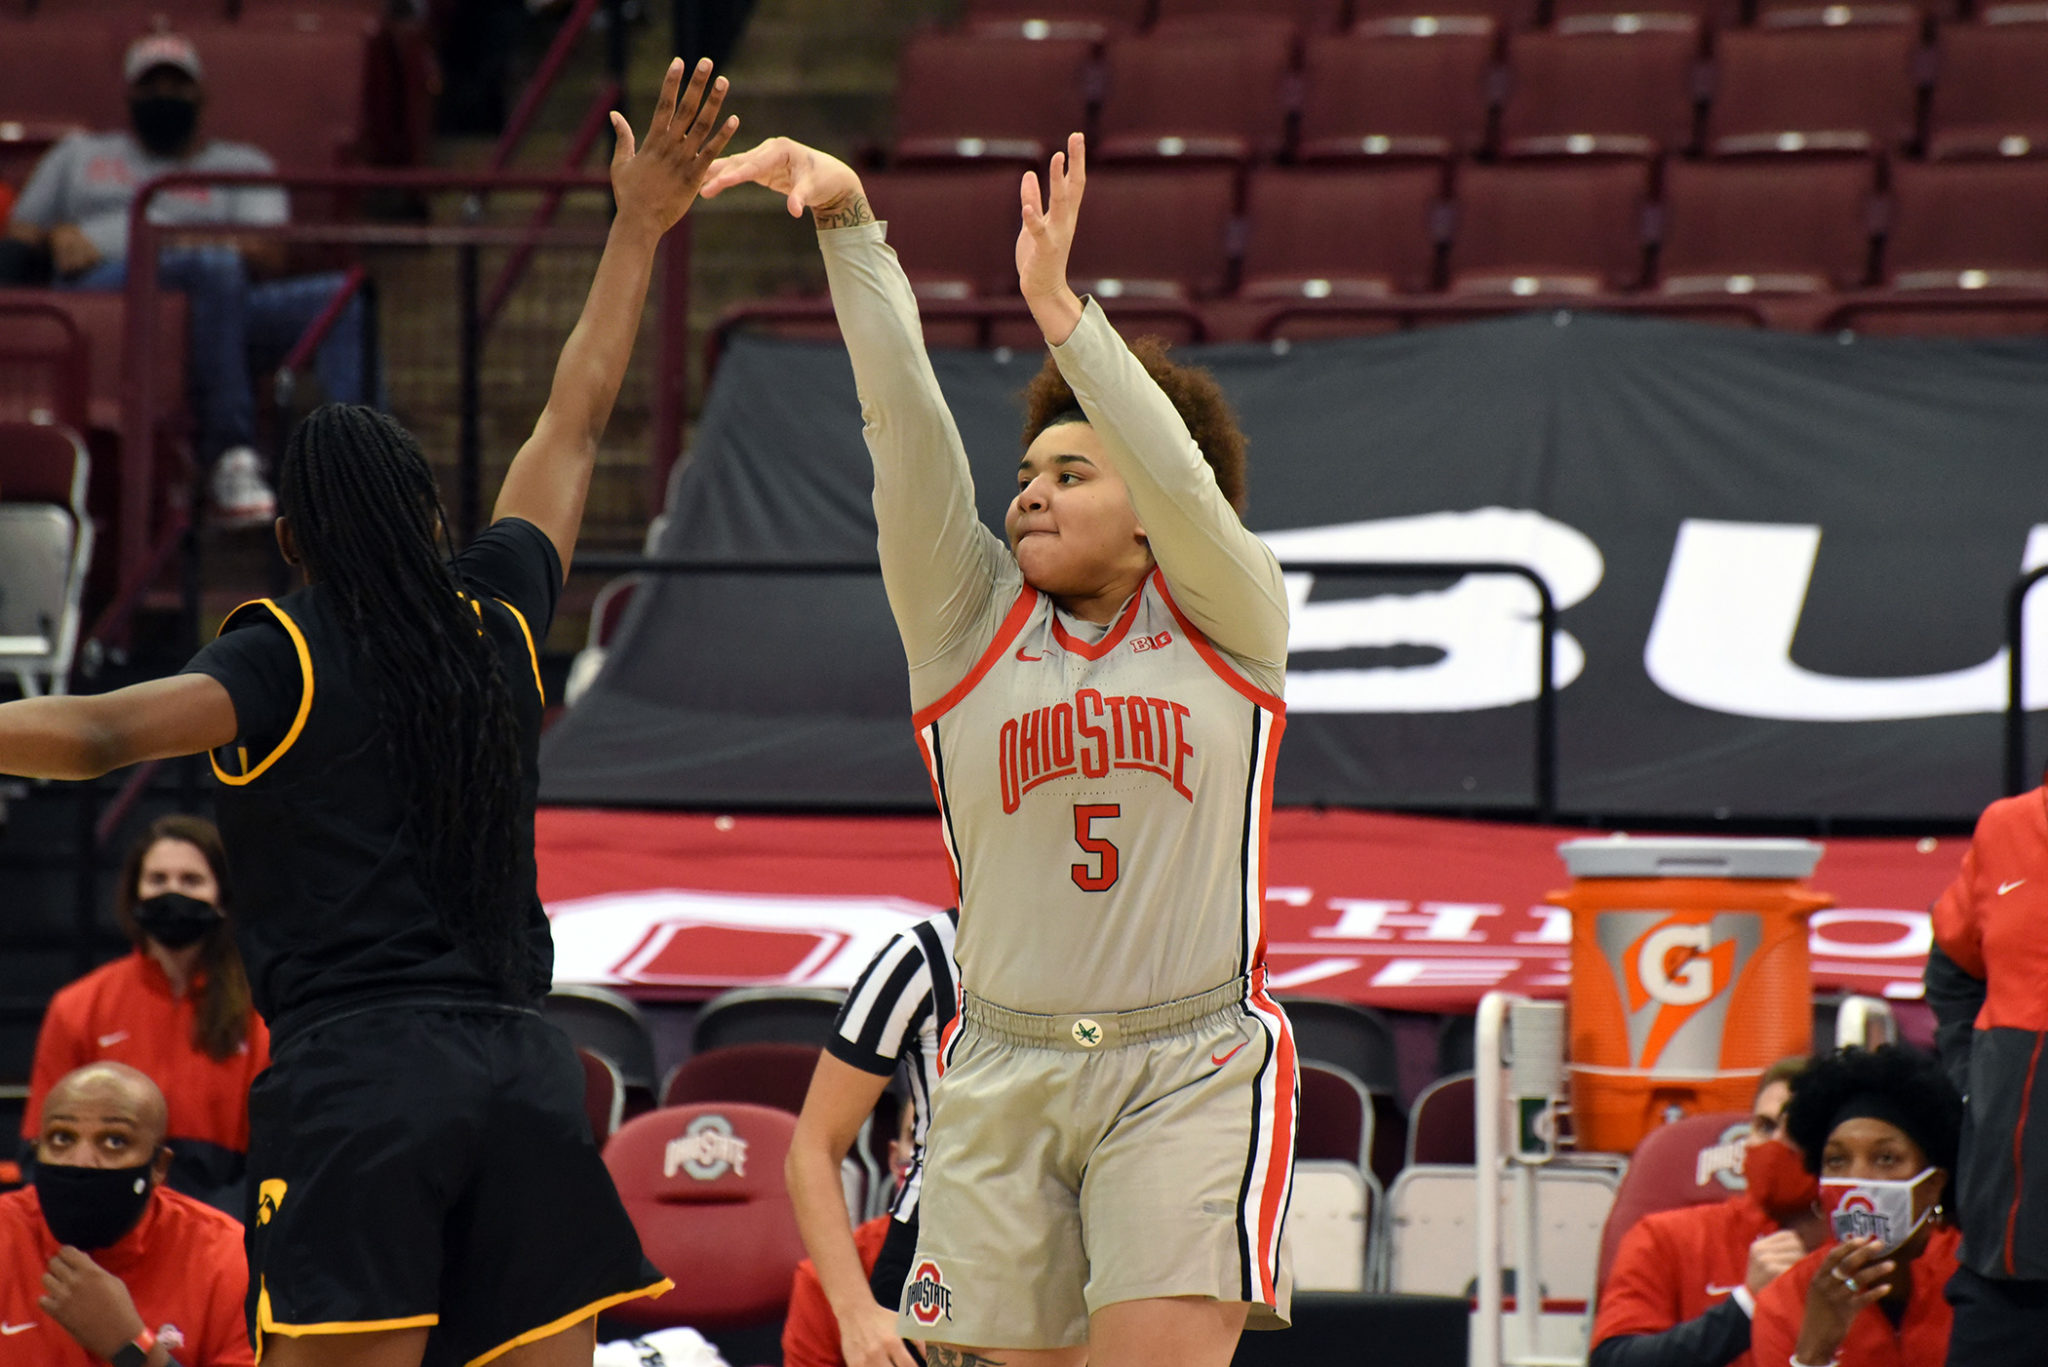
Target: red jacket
{"points": [[183, 1266], [1676, 1265], [810, 1333], [1987, 981], [124, 1011], [1921, 1339]]}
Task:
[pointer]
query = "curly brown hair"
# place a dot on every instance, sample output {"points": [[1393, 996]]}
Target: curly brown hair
{"points": [[1194, 393]]}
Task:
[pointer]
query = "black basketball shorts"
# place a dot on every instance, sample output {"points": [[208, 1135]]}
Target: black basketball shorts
{"points": [[432, 1167]]}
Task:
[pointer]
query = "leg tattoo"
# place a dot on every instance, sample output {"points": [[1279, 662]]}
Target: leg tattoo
{"points": [[939, 1355]]}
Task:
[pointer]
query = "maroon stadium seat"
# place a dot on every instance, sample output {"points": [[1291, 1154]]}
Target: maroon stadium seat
{"points": [[1440, 1123], [22, 144], [954, 228], [1796, 14], [604, 1094], [703, 1186], [1382, 16], [1549, 227], [1304, 16], [45, 362], [1573, 16], [1317, 233], [140, 15], [62, 71], [1766, 226], [1093, 20], [1335, 1120], [300, 97], [962, 97], [1813, 90], [1664, 1173], [1601, 94], [775, 1075], [1990, 96], [1395, 95], [1969, 225], [1160, 232], [97, 315], [1210, 96]]}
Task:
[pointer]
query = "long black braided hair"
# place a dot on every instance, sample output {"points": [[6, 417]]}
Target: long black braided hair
{"points": [[367, 520]]}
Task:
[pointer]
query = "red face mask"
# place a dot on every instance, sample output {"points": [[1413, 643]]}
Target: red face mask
{"points": [[1778, 1180]]}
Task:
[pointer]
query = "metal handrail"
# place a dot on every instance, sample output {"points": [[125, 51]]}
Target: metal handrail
{"points": [[2016, 779], [1545, 781], [595, 120], [543, 83]]}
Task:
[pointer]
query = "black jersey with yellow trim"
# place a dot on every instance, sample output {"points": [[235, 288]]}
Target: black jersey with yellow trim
{"points": [[332, 906]]}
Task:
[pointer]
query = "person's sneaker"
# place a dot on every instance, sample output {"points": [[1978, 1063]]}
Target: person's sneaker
{"points": [[241, 496]]}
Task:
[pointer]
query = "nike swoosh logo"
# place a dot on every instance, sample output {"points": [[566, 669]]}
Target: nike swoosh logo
{"points": [[10, 1330], [1219, 1062], [108, 1041], [1713, 1290], [2004, 888], [1028, 659]]}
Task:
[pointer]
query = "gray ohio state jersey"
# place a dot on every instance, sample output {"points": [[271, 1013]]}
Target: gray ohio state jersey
{"points": [[1104, 790]]}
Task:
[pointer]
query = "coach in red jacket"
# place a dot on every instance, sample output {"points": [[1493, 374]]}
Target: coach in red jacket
{"points": [[1684, 1282], [1987, 980]]}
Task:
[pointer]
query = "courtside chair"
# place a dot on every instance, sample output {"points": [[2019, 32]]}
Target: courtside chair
{"points": [[767, 1015], [604, 1095], [1666, 1172], [775, 1075], [45, 550], [607, 1023]]}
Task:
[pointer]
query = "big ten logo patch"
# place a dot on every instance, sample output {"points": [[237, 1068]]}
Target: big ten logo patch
{"points": [[1160, 642], [269, 1196], [926, 1297], [706, 1150], [1722, 1160]]}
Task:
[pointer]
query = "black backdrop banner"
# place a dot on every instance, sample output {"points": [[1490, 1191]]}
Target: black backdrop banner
{"points": [[1782, 563]]}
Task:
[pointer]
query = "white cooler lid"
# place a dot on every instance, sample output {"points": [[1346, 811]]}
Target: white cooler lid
{"points": [[1624, 856]]}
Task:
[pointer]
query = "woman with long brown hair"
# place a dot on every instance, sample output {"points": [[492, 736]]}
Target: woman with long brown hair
{"points": [[177, 1008]]}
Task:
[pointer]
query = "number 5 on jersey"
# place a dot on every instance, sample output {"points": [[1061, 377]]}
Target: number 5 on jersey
{"points": [[1102, 876]]}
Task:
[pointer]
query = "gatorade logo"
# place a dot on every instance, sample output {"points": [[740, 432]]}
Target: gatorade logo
{"points": [[1676, 965], [926, 1297], [269, 1196]]}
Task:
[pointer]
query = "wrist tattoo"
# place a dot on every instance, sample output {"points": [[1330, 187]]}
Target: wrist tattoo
{"points": [[848, 211], [939, 1355]]}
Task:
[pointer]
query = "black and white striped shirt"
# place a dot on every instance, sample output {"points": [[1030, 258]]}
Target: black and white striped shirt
{"points": [[896, 1013]]}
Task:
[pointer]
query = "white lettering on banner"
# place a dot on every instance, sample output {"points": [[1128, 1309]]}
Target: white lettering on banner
{"points": [[1485, 625], [1556, 928], [1694, 982], [1371, 919], [1445, 972], [1722, 638]]}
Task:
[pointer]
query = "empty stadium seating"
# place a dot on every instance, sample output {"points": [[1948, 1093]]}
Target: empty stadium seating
{"points": [[1813, 90], [954, 229], [1395, 95], [1770, 226], [1156, 232], [1549, 228], [1093, 20], [964, 97], [1321, 233], [1600, 93], [1968, 225], [1989, 98], [1196, 95]]}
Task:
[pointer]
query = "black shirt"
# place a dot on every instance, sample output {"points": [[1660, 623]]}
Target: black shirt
{"points": [[332, 907]]}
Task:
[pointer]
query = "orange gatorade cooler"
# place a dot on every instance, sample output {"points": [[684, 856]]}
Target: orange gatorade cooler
{"points": [[1689, 976]]}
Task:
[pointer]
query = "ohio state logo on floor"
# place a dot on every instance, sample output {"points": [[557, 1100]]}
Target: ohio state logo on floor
{"points": [[926, 1297]]}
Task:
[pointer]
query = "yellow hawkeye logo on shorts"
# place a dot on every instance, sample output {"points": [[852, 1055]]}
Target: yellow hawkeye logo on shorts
{"points": [[926, 1297], [269, 1196]]}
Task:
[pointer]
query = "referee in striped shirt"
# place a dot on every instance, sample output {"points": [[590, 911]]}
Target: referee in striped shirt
{"points": [[894, 1017]]}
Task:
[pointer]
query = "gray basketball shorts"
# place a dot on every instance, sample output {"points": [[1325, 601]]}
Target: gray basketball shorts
{"points": [[1078, 1161]]}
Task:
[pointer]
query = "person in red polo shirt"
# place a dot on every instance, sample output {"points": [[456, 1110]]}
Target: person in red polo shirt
{"points": [[1684, 1282], [177, 1008], [105, 1264], [1880, 1127]]}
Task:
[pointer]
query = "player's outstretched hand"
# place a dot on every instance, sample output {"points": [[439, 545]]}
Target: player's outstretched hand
{"points": [[805, 177], [660, 177], [1047, 236]]}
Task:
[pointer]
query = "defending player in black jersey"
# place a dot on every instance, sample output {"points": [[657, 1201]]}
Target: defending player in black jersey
{"points": [[423, 1185]]}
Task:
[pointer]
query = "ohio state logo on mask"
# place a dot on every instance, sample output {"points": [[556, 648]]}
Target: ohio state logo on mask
{"points": [[926, 1297]]}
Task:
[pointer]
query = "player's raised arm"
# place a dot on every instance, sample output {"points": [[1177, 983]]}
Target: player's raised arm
{"points": [[1223, 577], [654, 182], [939, 563]]}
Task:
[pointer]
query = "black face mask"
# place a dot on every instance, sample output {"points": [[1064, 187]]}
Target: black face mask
{"points": [[163, 123], [174, 920], [91, 1208]]}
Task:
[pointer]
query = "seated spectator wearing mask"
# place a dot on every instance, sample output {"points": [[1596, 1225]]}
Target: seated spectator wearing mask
{"points": [[103, 1263], [1684, 1282], [1879, 1127], [177, 1008], [74, 212]]}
